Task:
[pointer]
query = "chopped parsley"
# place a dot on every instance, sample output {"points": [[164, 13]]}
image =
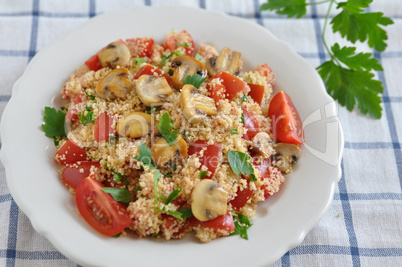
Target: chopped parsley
{"points": [[244, 98], [86, 118], [118, 194], [203, 174], [54, 123], [242, 223], [175, 193], [113, 139], [183, 44], [165, 127], [198, 57], [242, 118], [91, 97], [139, 60], [152, 110], [166, 57], [196, 80], [145, 156], [238, 162], [234, 131]]}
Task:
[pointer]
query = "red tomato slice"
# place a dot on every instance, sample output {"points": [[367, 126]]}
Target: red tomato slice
{"points": [[103, 127], [140, 46], [151, 70], [223, 222], [251, 124], [232, 84], [263, 167], [70, 153], [241, 198], [286, 123], [93, 63], [72, 113], [99, 209], [172, 224], [211, 156], [183, 38], [73, 174], [256, 92]]}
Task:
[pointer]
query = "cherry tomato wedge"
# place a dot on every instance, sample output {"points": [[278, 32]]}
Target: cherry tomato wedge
{"points": [[140, 46], [183, 38], [70, 153], [222, 222], [251, 124], [103, 127], [99, 209], [93, 63], [73, 174], [286, 123], [232, 86], [151, 70], [171, 224], [211, 156], [241, 198], [256, 92]]}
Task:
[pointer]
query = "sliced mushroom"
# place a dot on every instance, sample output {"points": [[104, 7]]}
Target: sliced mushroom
{"points": [[196, 106], [153, 90], [114, 54], [183, 66], [115, 84], [286, 155], [227, 60], [262, 144], [134, 125], [162, 152], [208, 200]]}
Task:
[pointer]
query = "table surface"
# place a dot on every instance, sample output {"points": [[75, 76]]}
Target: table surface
{"points": [[363, 227]]}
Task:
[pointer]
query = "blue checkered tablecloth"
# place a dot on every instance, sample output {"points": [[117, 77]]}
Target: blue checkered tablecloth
{"points": [[363, 227]]}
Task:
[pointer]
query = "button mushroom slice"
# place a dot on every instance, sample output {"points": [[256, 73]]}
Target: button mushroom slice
{"points": [[208, 200], [286, 155], [114, 54], [227, 60], [262, 144], [134, 125], [183, 66], [162, 152], [153, 90], [116, 83], [196, 106]]}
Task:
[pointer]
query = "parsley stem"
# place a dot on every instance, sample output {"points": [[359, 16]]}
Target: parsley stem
{"points": [[318, 3], [325, 29]]}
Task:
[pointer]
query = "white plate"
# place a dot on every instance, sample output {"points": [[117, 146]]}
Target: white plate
{"points": [[281, 223]]}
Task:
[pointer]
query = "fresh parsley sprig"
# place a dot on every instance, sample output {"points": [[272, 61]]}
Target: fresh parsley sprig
{"points": [[238, 162], [347, 75], [145, 156], [196, 80], [118, 194], [242, 223], [165, 127]]}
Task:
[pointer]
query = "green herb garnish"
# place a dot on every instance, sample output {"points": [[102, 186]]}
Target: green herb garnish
{"points": [[203, 174], [54, 123], [196, 80], [242, 118], [234, 131], [119, 194], [145, 156], [198, 57], [165, 127], [183, 44], [139, 60], [157, 176], [348, 75], [242, 223], [175, 193], [86, 118], [91, 97], [238, 161]]}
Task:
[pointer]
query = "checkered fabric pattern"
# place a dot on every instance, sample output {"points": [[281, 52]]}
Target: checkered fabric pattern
{"points": [[363, 227]]}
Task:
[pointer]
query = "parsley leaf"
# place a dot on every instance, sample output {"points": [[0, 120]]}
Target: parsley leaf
{"points": [[86, 118], [117, 177], [348, 75], [91, 97], [157, 176], [145, 156], [196, 80], [119, 194], [186, 212], [234, 131], [238, 161], [203, 174], [175, 193], [198, 57], [165, 127], [242, 223], [355, 25], [183, 44], [291, 8], [139, 60], [54, 123]]}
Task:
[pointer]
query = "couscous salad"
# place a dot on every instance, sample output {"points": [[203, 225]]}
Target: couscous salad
{"points": [[163, 139]]}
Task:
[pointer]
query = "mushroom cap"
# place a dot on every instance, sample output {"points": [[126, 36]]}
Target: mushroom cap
{"points": [[116, 83], [114, 54]]}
